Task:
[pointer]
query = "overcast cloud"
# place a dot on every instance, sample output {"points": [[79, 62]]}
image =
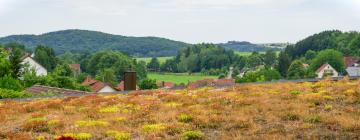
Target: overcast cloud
{"points": [[193, 21]]}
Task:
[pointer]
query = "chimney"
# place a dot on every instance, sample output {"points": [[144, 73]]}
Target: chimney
{"points": [[129, 80]]}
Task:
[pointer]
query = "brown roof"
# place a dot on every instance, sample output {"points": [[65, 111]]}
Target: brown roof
{"points": [[89, 81], [75, 67], [211, 82], [120, 86], [95, 85], [349, 61], [38, 89], [321, 67]]}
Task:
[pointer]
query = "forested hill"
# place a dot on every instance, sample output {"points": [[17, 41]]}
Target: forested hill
{"points": [[92, 41], [244, 46], [346, 42]]}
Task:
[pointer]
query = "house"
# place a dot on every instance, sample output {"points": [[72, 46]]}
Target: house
{"points": [[326, 70], [353, 71], [38, 89], [211, 82], [351, 62], [98, 86], [165, 85], [75, 68], [306, 66], [120, 86], [33, 64]]}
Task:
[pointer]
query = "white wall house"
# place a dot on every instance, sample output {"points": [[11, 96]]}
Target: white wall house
{"points": [[106, 89], [39, 69], [326, 70]]}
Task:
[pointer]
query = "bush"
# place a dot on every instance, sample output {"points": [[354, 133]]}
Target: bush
{"points": [[6, 93], [118, 135], [185, 118], [153, 127], [192, 135], [148, 84], [313, 119], [7, 82]]}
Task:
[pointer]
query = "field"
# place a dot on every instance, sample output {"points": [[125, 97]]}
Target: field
{"points": [[323, 110], [249, 53], [148, 59], [178, 78]]}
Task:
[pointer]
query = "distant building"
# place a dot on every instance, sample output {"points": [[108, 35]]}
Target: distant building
{"points": [[97, 86], [75, 68], [326, 70], [38, 89], [120, 86], [165, 85], [353, 71], [306, 66], [211, 82], [351, 62], [33, 64]]}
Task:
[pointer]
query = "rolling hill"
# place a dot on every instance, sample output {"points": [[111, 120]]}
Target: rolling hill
{"points": [[244, 46], [92, 41]]}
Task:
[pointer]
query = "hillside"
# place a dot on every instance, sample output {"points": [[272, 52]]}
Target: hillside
{"points": [[346, 42], [248, 47], [324, 110], [83, 40]]}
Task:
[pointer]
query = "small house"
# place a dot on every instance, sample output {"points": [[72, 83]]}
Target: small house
{"points": [[351, 62], [33, 64], [75, 68], [98, 86], [353, 71], [326, 70]]}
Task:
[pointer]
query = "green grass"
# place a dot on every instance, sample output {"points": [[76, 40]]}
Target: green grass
{"points": [[148, 59], [249, 53], [178, 78]]}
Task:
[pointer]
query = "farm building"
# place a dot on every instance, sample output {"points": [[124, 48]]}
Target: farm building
{"points": [[326, 70]]}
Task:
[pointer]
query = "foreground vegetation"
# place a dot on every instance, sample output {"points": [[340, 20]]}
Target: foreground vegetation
{"points": [[323, 110], [178, 78]]}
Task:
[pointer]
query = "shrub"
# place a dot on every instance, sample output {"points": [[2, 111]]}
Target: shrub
{"points": [[291, 117], [118, 135], [185, 118], [153, 127], [7, 82], [91, 123], [148, 84], [83, 136], [295, 92], [7, 93], [36, 125], [327, 97], [313, 119], [328, 107], [192, 135], [112, 109]]}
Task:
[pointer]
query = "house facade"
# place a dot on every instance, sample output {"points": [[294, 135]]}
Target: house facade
{"points": [[326, 70], [39, 69]]}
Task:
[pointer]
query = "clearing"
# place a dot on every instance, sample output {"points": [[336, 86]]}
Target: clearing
{"points": [[178, 78]]}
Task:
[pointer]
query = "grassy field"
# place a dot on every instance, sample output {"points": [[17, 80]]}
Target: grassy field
{"points": [[249, 53], [178, 78], [148, 59], [324, 110]]}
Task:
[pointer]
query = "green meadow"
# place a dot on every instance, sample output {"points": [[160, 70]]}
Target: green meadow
{"points": [[178, 78], [148, 59]]}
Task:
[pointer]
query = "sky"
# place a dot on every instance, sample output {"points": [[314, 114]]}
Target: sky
{"points": [[192, 21]]}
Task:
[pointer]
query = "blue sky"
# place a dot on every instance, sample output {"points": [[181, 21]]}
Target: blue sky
{"points": [[193, 21]]}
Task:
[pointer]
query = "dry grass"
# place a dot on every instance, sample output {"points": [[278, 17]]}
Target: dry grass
{"points": [[323, 110]]}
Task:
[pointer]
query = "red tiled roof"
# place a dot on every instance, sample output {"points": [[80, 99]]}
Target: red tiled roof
{"points": [[75, 67], [37, 89], [349, 61], [211, 82], [321, 67], [168, 84], [95, 85], [120, 86], [89, 81]]}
